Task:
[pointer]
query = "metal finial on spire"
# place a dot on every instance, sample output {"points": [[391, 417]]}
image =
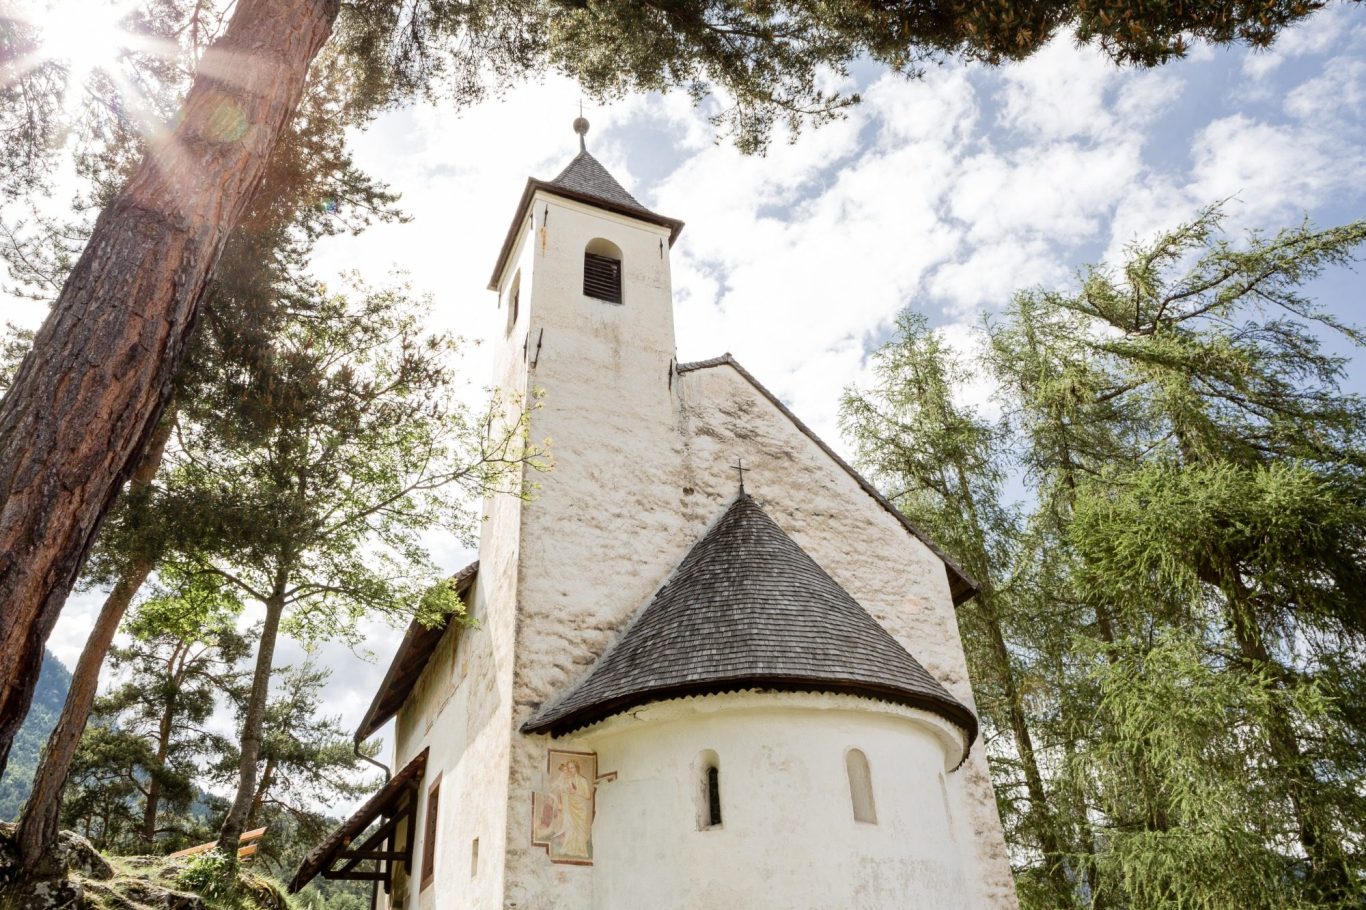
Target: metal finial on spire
{"points": [[581, 127]]}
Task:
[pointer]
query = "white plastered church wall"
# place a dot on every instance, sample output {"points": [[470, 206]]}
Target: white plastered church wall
{"points": [[788, 837], [461, 707], [643, 465]]}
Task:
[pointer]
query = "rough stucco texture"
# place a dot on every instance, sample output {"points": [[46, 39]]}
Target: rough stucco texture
{"points": [[643, 465]]}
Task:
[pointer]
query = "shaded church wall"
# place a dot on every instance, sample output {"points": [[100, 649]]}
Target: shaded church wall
{"points": [[462, 704]]}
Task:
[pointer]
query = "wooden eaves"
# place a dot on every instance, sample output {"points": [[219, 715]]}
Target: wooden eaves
{"points": [[410, 660], [376, 857]]}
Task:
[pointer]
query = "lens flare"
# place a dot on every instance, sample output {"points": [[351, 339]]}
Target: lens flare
{"points": [[87, 35]]}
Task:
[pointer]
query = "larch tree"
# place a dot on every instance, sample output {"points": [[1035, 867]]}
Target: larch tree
{"points": [[1243, 523], [1185, 572], [944, 466], [73, 426]]}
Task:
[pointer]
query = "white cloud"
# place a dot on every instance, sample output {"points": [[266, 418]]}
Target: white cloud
{"points": [[1275, 170], [1315, 35], [1061, 92]]}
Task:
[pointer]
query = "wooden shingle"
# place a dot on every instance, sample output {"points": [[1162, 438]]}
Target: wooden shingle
{"points": [[748, 608]]}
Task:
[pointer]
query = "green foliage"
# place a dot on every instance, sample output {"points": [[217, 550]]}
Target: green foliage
{"points": [[53, 681], [1168, 643], [210, 875], [315, 475], [1170, 774], [148, 742]]}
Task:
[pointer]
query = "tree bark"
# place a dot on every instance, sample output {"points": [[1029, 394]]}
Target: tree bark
{"points": [[234, 823], [88, 397], [164, 728], [257, 801], [38, 824]]}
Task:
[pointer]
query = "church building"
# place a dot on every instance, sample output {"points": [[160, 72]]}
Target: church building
{"points": [[711, 665]]}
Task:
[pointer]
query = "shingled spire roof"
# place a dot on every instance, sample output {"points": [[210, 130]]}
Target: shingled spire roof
{"points": [[584, 180], [748, 608], [587, 177]]}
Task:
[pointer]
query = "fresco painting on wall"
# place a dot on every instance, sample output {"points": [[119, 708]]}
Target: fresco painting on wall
{"points": [[562, 810]]}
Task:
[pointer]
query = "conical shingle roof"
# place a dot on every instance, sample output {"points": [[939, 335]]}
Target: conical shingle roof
{"points": [[587, 177], [749, 608], [584, 180]]}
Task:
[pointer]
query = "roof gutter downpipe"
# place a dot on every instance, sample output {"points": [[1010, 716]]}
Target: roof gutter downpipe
{"points": [[374, 885]]}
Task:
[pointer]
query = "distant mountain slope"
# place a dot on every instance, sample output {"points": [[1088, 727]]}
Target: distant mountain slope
{"points": [[53, 682]]}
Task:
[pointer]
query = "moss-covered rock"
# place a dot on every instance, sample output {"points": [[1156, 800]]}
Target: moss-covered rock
{"points": [[93, 882]]}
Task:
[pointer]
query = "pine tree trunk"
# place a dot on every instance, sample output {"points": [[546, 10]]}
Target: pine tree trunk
{"points": [[230, 837], [87, 398], [38, 824], [164, 728], [267, 779]]}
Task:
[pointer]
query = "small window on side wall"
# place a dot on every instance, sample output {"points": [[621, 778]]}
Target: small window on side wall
{"points": [[602, 271], [708, 791], [860, 786], [429, 835], [514, 300]]}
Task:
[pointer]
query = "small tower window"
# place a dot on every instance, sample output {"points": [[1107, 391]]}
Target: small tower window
{"points": [[429, 835], [514, 300], [708, 791], [860, 786], [602, 271]]}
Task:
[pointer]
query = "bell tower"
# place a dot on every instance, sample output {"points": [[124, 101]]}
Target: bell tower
{"points": [[583, 280], [686, 687]]}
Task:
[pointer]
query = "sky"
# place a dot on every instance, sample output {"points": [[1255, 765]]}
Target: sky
{"points": [[944, 193]]}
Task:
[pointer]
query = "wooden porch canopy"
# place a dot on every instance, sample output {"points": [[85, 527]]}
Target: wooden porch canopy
{"points": [[374, 859]]}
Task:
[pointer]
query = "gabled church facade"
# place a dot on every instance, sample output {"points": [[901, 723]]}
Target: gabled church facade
{"points": [[712, 667]]}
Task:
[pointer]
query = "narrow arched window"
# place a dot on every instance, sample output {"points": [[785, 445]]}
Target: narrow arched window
{"points": [[708, 791], [860, 786], [602, 271], [514, 300]]}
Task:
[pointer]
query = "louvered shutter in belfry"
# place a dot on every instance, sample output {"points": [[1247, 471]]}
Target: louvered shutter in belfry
{"points": [[602, 277]]}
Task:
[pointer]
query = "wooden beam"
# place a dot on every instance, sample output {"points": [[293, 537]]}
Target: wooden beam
{"points": [[205, 848]]}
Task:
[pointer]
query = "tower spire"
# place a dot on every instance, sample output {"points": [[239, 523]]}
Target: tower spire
{"points": [[581, 127]]}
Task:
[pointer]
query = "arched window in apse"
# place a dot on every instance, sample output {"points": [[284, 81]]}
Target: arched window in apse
{"points": [[860, 786], [708, 791]]}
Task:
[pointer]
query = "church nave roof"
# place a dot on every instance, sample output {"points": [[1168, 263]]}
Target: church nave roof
{"points": [[749, 608]]}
